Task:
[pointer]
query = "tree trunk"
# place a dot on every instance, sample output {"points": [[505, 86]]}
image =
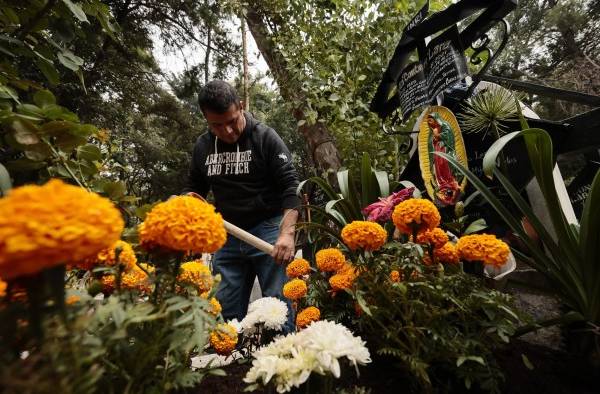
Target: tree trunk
{"points": [[245, 65], [207, 55], [321, 145]]}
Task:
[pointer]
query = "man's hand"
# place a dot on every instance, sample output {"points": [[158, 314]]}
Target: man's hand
{"points": [[284, 248]]}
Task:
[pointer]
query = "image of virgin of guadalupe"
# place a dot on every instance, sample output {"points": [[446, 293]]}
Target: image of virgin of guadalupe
{"points": [[440, 133]]}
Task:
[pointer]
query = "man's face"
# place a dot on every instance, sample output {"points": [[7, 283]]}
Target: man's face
{"points": [[229, 125]]}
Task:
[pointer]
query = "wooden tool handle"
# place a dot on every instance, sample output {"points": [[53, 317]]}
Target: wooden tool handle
{"points": [[248, 238], [241, 234]]}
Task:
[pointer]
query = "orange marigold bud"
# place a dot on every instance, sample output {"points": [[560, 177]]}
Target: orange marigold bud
{"points": [[295, 289], [297, 268], [307, 316]]}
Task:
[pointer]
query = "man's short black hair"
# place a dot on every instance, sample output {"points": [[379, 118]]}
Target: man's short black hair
{"points": [[217, 96]]}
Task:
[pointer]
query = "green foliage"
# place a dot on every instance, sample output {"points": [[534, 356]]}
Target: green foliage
{"points": [[571, 262], [126, 342], [332, 78], [441, 328], [565, 34]]}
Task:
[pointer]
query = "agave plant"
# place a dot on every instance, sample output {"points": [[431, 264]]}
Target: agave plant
{"points": [[570, 258], [489, 111]]}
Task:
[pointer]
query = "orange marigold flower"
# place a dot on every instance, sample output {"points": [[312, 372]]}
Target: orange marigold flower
{"points": [[395, 276], [364, 235], [483, 247], [437, 237], [447, 254], [307, 316], [416, 212], [342, 281], [297, 268], [329, 260], [215, 306], [108, 257], [108, 284], [183, 223], [133, 279], [223, 339], [72, 299], [295, 289], [53, 224], [195, 273], [3, 286]]}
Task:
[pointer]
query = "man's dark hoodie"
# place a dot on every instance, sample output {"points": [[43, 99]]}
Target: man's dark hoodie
{"points": [[252, 179]]}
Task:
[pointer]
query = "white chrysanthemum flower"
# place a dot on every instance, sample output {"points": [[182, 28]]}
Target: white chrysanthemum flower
{"points": [[332, 341], [270, 311], [289, 360], [236, 324]]}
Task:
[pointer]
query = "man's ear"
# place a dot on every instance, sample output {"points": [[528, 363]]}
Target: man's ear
{"points": [[241, 105]]}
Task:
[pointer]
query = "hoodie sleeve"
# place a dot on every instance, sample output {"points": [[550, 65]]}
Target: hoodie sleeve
{"points": [[279, 161], [196, 181]]}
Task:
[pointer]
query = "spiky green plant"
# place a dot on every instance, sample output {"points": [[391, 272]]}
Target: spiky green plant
{"points": [[488, 111]]}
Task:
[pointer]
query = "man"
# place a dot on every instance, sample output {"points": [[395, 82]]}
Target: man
{"points": [[249, 170]]}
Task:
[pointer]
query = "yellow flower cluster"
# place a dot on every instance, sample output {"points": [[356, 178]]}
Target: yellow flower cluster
{"points": [[196, 274], [295, 289], [108, 257], [330, 260], [216, 307], [297, 268], [437, 237], [447, 254], [395, 276], [415, 212], [53, 224], [364, 235], [223, 339], [183, 223], [307, 316], [483, 247]]}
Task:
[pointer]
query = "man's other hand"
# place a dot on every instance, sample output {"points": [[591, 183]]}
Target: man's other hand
{"points": [[284, 248]]}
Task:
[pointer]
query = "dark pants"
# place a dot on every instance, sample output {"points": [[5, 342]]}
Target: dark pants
{"points": [[239, 263]]}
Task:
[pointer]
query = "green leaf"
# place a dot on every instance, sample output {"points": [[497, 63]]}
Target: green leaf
{"points": [[5, 182], [69, 60], [68, 142], [43, 98], [527, 363], [25, 132], [461, 360], [89, 152], [115, 190], [383, 183], [38, 152], [476, 226], [334, 97], [24, 165], [76, 10], [217, 372], [57, 127], [590, 240], [49, 71]]}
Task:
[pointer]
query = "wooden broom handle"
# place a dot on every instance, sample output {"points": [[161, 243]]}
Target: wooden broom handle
{"points": [[241, 234]]}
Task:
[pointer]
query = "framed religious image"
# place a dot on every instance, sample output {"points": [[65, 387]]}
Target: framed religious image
{"points": [[439, 132]]}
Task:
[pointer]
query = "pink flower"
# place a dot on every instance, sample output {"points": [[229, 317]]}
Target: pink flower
{"points": [[381, 211]]}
